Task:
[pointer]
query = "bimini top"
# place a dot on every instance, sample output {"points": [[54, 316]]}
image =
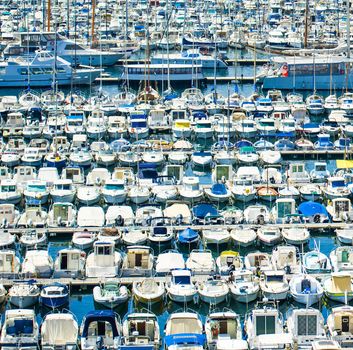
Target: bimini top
{"points": [[100, 315], [187, 235], [311, 209]]}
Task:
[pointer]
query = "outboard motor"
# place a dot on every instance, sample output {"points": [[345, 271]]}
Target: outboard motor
{"points": [[100, 343], [179, 219], [119, 221], [260, 220]]}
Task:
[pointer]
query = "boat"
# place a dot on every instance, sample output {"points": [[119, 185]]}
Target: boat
{"points": [[138, 261], [62, 215], [24, 294], [84, 239], [313, 212], [110, 294], [243, 286], [228, 261], [69, 262], [269, 236], [141, 328], [305, 289], [336, 188], [63, 191], [40, 68], [264, 327], [9, 192], [316, 262], [339, 325], [169, 260], [274, 285], [286, 258], [303, 331], [184, 329], [345, 235], [9, 263], [114, 191], [201, 262], [104, 261], [37, 263], [188, 236], [256, 214], [59, 330], [31, 238], [218, 193], [243, 237], [180, 288], [225, 326], [54, 295], [296, 236], [341, 259], [19, 327], [161, 232], [37, 191], [213, 291], [258, 262], [148, 291], [338, 287], [100, 328]]}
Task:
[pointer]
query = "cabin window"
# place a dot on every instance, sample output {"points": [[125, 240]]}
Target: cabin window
{"points": [[341, 206], [60, 70], [23, 71], [104, 250], [307, 325], [75, 256], [265, 325], [36, 71]]}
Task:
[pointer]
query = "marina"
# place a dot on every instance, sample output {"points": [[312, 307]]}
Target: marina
{"points": [[176, 175]]}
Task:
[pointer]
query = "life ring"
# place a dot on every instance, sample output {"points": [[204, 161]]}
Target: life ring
{"points": [[285, 71]]}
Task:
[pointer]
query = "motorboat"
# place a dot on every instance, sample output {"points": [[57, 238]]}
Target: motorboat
{"points": [[257, 214], [215, 236], [134, 236], [286, 258], [148, 291], [228, 261], [258, 261], [31, 238], [110, 294], [59, 330], [316, 262], [223, 325], [269, 236], [213, 291], [9, 263], [338, 287], [24, 294], [305, 332], [305, 289], [9, 192], [100, 328], [36, 191], [180, 288], [88, 195], [188, 236], [103, 261], [190, 189], [340, 209], [37, 263], [90, 216], [19, 327], [9, 215], [243, 237], [284, 210], [169, 260], [184, 328], [336, 188], [243, 189], [63, 191], [162, 232], [274, 285], [114, 191], [62, 215], [218, 193], [345, 235], [84, 239], [265, 328], [69, 262], [244, 286], [54, 295], [138, 261], [141, 327], [201, 262], [296, 236]]}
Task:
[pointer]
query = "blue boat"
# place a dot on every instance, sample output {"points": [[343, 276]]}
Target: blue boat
{"points": [[313, 212], [323, 143], [343, 143], [188, 236], [284, 145], [54, 295], [243, 143], [263, 145], [100, 330]]}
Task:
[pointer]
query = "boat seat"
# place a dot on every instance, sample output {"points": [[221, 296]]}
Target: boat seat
{"points": [[21, 327], [159, 230], [306, 285]]}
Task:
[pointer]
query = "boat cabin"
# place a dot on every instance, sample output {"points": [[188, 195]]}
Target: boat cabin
{"points": [[138, 261], [8, 215], [285, 207], [63, 214], [69, 263], [9, 263], [73, 173], [178, 114], [297, 173], [175, 171], [221, 324]]}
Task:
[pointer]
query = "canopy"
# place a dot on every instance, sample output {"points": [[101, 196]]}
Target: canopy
{"points": [[344, 164], [341, 283], [203, 210], [311, 209], [100, 316], [188, 235]]}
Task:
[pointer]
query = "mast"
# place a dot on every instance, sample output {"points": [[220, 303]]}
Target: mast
{"points": [[93, 21], [348, 42], [306, 24], [48, 15]]}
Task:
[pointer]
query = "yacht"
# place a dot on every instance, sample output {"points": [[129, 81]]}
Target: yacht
{"points": [[69, 50], [15, 71]]}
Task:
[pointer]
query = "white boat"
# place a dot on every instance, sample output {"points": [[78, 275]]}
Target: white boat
{"points": [[110, 294], [340, 209], [114, 191], [31, 238], [19, 327], [169, 260], [303, 331], [162, 233], [256, 214], [316, 262], [59, 330], [104, 261], [181, 289], [69, 262], [345, 235], [10, 263], [265, 328], [63, 191], [9, 192], [286, 258], [228, 261], [84, 239], [223, 325], [201, 262], [134, 236], [215, 236], [40, 66], [148, 291], [138, 261], [336, 188], [190, 189], [36, 191], [258, 261], [243, 237], [62, 214], [88, 195], [213, 291], [141, 327], [338, 287], [218, 193], [305, 289], [274, 285], [139, 194], [9, 216], [90, 216], [244, 286], [296, 236], [340, 325], [37, 263], [24, 294], [201, 159], [269, 236]]}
